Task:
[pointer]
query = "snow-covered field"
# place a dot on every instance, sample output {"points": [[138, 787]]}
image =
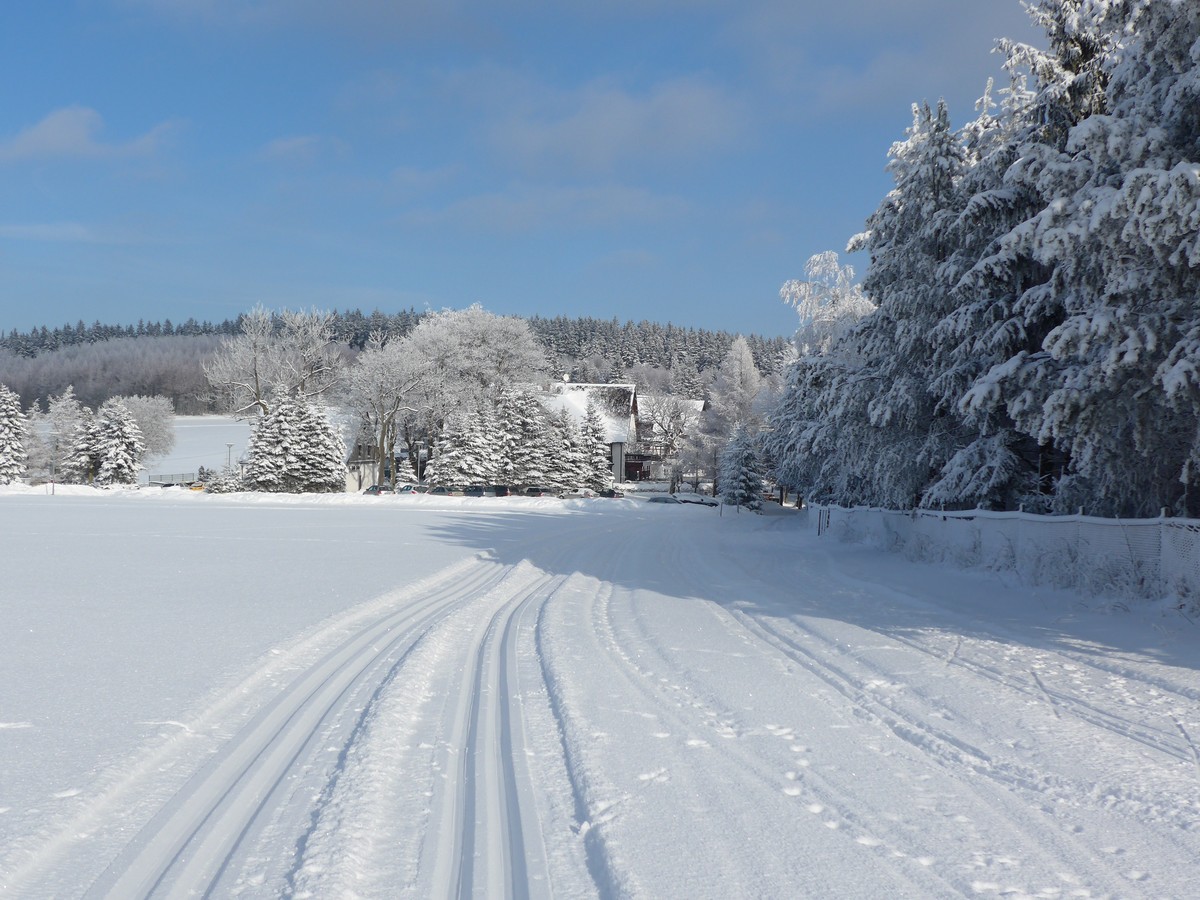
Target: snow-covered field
{"points": [[252, 696], [209, 441]]}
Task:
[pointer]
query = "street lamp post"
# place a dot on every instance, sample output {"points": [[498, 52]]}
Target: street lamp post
{"points": [[420, 445], [229, 455]]}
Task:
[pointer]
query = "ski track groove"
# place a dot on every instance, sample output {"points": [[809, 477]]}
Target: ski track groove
{"points": [[494, 809], [753, 770], [940, 747], [190, 843], [485, 739], [740, 764]]}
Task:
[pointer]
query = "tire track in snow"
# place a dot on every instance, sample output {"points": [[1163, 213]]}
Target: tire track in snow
{"points": [[188, 846]]}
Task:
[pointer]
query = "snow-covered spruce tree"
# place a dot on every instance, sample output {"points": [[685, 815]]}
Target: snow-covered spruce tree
{"points": [[1112, 158], [14, 433], [295, 449], [596, 446], [804, 441], [529, 442], [911, 435], [81, 462], [116, 445], [858, 423], [465, 452], [323, 468], [741, 481], [155, 419], [567, 462]]}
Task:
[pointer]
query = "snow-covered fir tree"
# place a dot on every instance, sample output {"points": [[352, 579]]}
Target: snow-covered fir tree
{"points": [[295, 449], [81, 462], [466, 452], [740, 475], [116, 445], [529, 440], [14, 433], [596, 446], [1036, 276], [567, 462]]}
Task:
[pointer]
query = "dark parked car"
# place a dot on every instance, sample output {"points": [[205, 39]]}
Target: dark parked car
{"points": [[539, 491], [445, 491], [609, 492], [479, 490], [377, 489], [697, 499], [662, 498]]}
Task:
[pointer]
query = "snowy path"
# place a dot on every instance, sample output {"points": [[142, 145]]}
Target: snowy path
{"points": [[661, 703]]}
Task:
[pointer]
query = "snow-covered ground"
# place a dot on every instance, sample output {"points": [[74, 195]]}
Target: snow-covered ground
{"points": [[251, 696]]}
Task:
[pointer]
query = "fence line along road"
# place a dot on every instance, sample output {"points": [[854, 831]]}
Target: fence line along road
{"points": [[1150, 558]]}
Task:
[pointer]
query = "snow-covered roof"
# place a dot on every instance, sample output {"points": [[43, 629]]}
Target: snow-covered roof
{"points": [[616, 404]]}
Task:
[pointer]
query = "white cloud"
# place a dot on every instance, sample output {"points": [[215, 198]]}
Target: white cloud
{"points": [[74, 133], [303, 149], [526, 208], [874, 55], [602, 127]]}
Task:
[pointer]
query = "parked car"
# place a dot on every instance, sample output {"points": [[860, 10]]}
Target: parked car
{"points": [[443, 490], [538, 491], [662, 498], [377, 489], [582, 493], [479, 490], [697, 499], [413, 489], [610, 493]]}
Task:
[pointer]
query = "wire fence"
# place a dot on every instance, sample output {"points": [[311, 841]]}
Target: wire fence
{"points": [[1151, 558]]}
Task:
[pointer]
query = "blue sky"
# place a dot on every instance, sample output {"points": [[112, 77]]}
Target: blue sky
{"points": [[674, 160]]}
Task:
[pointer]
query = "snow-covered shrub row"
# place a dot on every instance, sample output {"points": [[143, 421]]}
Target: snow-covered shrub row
{"points": [[1036, 339]]}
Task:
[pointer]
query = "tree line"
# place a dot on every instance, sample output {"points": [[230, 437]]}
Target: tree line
{"points": [[162, 359]]}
